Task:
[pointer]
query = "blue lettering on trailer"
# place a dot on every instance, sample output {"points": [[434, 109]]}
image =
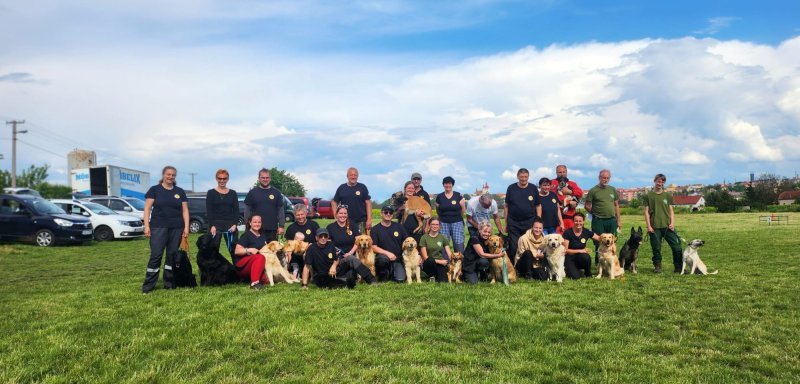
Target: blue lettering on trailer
{"points": [[132, 177]]}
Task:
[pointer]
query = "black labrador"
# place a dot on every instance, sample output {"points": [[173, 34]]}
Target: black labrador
{"points": [[215, 269]]}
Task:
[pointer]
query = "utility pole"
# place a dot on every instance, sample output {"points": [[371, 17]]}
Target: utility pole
{"points": [[14, 133], [192, 173]]}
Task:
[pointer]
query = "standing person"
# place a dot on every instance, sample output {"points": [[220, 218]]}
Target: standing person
{"points": [[568, 192], [530, 252], [521, 200], [481, 209], [660, 219], [450, 206], [548, 209], [222, 207], [354, 196], [387, 243], [165, 225], [267, 202], [410, 223], [330, 269], [416, 178], [342, 234], [435, 251], [303, 225], [602, 202], [247, 258], [477, 256], [577, 256]]}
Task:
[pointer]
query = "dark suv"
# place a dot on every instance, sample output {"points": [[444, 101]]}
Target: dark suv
{"points": [[198, 215], [27, 217]]}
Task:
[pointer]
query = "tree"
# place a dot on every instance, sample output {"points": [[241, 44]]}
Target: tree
{"points": [[286, 183], [30, 178], [54, 191], [722, 200]]}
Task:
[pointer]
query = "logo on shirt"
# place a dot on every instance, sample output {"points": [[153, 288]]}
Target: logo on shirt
{"points": [[308, 231], [530, 198], [358, 193], [438, 243], [177, 196], [554, 201], [396, 234], [330, 255], [611, 195], [453, 202], [583, 241], [272, 197], [665, 202]]}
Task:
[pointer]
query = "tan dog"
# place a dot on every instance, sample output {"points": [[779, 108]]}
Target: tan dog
{"points": [[692, 259], [454, 267], [608, 263], [414, 204], [555, 253], [364, 252], [273, 267], [495, 244], [411, 259], [294, 247]]}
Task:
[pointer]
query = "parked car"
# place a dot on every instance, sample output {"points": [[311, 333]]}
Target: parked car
{"points": [[129, 206], [303, 200], [288, 207], [31, 218], [198, 215], [322, 208], [21, 191], [107, 224]]}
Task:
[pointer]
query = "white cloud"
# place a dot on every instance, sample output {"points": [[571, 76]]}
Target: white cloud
{"points": [[716, 24]]}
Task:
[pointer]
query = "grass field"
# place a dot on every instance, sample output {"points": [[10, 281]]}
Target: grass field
{"points": [[76, 314]]}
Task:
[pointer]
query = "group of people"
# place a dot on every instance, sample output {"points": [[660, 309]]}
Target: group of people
{"points": [[531, 212]]}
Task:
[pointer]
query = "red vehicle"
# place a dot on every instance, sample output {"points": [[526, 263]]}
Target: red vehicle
{"points": [[322, 208], [303, 200]]}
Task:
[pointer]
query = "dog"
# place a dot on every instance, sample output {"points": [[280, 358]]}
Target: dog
{"points": [[411, 259], [364, 252], [630, 251], [410, 205], [555, 253], [454, 267], [296, 247], [692, 259], [608, 263], [273, 266], [495, 245], [215, 269]]}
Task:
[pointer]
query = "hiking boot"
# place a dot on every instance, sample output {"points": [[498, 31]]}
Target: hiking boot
{"points": [[657, 268], [257, 286]]}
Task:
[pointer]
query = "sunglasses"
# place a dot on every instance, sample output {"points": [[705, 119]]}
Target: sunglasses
{"points": [[341, 206], [387, 212], [222, 179], [324, 236], [417, 178]]}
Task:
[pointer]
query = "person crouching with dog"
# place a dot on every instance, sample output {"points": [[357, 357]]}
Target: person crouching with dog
{"points": [[435, 250], [530, 252], [476, 256], [387, 244], [329, 269], [246, 257], [660, 219], [577, 257]]}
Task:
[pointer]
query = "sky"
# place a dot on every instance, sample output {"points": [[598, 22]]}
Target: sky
{"points": [[703, 92]]}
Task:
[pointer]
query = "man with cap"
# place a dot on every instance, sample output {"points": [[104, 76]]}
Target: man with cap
{"points": [[330, 269], [416, 178], [387, 244], [355, 197]]}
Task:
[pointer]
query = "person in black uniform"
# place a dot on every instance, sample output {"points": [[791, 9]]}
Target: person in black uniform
{"points": [[329, 269], [416, 178], [222, 206], [267, 202], [411, 223], [168, 222], [548, 209], [355, 197], [387, 243], [521, 200], [343, 236], [308, 229], [476, 256], [577, 256]]}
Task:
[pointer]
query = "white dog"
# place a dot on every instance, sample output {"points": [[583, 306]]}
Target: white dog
{"points": [[555, 253], [692, 259]]}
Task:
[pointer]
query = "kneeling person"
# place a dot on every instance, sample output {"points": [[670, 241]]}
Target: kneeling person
{"points": [[330, 270]]}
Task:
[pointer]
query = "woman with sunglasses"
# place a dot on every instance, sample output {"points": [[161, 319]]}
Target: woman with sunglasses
{"points": [[222, 205]]}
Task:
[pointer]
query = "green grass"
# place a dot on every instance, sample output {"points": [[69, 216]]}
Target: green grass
{"points": [[75, 314]]}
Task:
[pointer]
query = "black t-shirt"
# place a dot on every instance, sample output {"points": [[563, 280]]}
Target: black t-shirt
{"points": [[549, 209], [266, 203], [355, 199], [389, 238], [222, 209], [521, 202], [321, 258], [469, 251], [340, 238], [410, 224], [249, 240], [578, 242], [167, 206], [449, 210], [309, 230], [421, 193]]}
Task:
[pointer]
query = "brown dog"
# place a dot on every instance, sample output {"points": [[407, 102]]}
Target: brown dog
{"points": [[294, 247], [364, 252], [273, 267], [495, 244], [454, 267], [411, 259], [608, 261], [414, 204]]}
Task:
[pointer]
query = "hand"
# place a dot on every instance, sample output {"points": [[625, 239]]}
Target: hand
{"points": [[332, 271], [650, 229], [563, 229], [441, 262], [186, 232], [369, 224], [391, 256], [280, 230], [146, 231], [213, 231], [671, 227], [232, 228], [566, 191]]}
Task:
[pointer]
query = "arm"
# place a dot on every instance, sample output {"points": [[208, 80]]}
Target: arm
{"points": [[647, 218], [463, 207], [334, 205], [369, 215], [576, 190], [588, 203], [281, 217], [538, 210], [445, 256], [560, 220], [671, 218], [497, 222], [148, 206], [424, 252], [305, 276], [616, 212], [505, 217], [210, 213], [472, 221], [479, 250], [380, 251], [242, 251], [185, 214], [332, 271]]}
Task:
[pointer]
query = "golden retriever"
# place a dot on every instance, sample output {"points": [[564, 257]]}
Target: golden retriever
{"points": [[495, 245], [411, 259], [454, 267], [364, 252], [273, 266], [608, 263], [555, 253], [414, 204]]}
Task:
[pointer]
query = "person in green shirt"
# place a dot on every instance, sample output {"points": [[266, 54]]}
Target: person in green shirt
{"points": [[602, 202], [435, 251], [660, 219]]}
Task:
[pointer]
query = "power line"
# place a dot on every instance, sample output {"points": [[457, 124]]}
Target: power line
{"points": [[40, 148]]}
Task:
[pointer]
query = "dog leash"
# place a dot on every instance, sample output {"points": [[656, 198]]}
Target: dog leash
{"points": [[229, 241], [505, 272]]}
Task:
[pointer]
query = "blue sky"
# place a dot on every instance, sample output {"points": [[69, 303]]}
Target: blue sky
{"points": [[701, 91]]}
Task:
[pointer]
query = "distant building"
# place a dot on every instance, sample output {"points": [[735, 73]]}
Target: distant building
{"points": [[694, 203], [788, 197]]}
